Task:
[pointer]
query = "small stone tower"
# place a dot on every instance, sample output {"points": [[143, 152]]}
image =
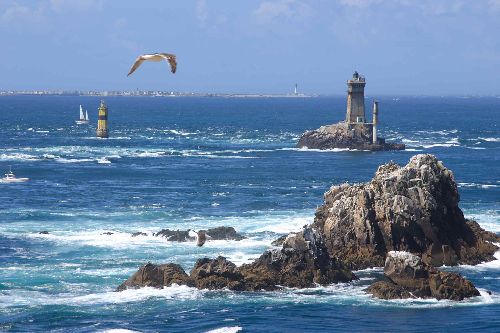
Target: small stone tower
{"points": [[102, 122], [356, 99], [375, 121]]}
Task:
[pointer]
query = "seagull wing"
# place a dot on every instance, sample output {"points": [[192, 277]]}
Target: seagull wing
{"points": [[171, 60], [137, 63]]}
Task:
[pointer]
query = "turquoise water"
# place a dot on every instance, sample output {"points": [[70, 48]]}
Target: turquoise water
{"points": [[204, 162]]}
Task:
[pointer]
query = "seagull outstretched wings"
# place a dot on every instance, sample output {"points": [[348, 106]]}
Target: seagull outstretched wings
{"points": [[155, 57]]}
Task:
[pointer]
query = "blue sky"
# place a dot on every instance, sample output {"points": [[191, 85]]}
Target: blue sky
{"points": [[421, 47]]}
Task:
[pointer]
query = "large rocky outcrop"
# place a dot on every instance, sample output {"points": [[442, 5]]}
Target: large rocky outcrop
{"points": [[412, 208], [302, 262], [341, 135], [408, 277]]}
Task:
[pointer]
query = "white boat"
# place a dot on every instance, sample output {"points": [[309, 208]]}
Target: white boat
{"points": [[84, 118], [10, 177]]}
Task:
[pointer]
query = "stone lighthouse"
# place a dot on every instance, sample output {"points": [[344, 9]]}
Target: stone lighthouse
{"points": [[353, 133], [356, 99], [102, 121]]}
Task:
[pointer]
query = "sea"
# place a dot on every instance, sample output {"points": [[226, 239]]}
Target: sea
{"points": [[201, 162]]}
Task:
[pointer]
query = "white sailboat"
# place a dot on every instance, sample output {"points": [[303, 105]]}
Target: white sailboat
{"points": [[84, 118]]}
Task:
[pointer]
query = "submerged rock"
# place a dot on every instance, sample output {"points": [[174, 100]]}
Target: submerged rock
{"points": [[44, 232], [408, 277], [139, 233], [412, 208], [302, 262], [342, 135]]}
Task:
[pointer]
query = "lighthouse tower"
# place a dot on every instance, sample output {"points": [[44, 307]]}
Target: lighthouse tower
{"points": [[356, 100], [102, 122]]}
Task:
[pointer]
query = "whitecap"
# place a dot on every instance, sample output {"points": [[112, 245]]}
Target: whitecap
{"points": [[226, 329]]}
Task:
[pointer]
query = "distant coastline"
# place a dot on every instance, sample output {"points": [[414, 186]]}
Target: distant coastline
{"points": [[145, 93], [152, 93]]}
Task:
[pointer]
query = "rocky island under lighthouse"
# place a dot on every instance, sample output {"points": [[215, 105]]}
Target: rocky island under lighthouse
{"points": [[353, 133]]}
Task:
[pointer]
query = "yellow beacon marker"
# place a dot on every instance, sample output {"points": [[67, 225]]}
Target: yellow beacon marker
{"points": [[102, 121]]}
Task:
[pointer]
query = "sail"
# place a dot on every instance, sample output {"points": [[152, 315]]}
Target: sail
{"points": [[81, 113], [86, 115]]}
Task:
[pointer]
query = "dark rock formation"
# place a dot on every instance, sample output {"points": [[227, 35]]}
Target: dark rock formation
{"points": [[223, 233], [175, 235], [218, 233], [157, 276], [44, 232], [408, 277], [279, 241], [341, 135], [302, 262], [108, 233], [202, 238], [216, 273], [412, 208], [135, 234]]}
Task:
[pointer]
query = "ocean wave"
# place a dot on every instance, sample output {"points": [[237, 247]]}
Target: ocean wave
{"points": [[22, 297], [226, 329], [333, 150], [488, 220], [476, 185], [490, 139]]}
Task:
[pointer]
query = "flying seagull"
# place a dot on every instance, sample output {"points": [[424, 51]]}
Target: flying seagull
{"points": [[154, 57]]}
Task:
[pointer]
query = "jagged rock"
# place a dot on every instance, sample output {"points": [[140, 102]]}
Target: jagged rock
{"points": [[412, 208], [218, 233], [302, 262], [223, 233], [175, 235], [139, 233], [44, 232], [107, 233], [216, 273], [341, 135], [408, 277], [279, 241], [157, 276], [202, 238]]}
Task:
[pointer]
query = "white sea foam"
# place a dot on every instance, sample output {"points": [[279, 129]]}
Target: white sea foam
{"points": [[441, 145], [103, 160], [489, 220], [118, 330], [305, 149], [17, 156], [284, 225], [490, 139], [226, 329], [21, 297], [476, 185]]}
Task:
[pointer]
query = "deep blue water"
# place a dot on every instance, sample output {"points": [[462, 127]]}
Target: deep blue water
{"points": [[203, 162]]}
